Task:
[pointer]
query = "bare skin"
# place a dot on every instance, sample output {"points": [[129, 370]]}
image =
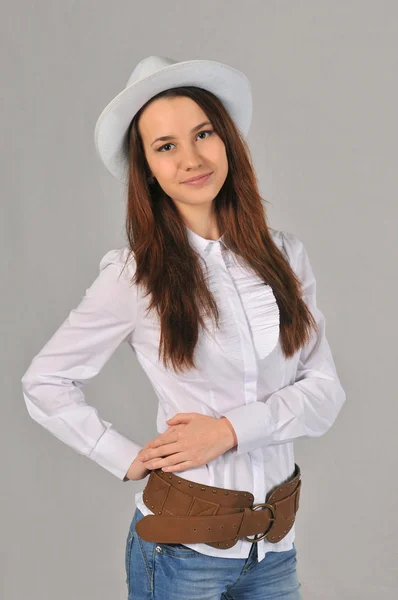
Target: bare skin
{"points": [[194, 440]]}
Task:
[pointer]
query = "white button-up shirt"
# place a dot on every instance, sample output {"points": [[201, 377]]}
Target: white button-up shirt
{"points": [[241, 374]]}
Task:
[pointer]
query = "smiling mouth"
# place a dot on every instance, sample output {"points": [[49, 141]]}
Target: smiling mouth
{"points": [[199, 181]]}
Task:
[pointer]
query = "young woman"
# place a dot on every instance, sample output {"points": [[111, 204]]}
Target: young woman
{"points": [[220, 310]]}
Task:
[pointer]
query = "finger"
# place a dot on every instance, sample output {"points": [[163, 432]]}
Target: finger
{"points": [[164, 438], [156, 442], [167, 461], [180, 418], [160, 451], [183, 466]]}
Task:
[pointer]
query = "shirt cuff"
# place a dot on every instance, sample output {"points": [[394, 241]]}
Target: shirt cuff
{"points": [[252, 423], [115, 452]]}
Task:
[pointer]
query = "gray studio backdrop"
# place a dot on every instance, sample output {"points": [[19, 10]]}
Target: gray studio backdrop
{"points": [[324, 142]]}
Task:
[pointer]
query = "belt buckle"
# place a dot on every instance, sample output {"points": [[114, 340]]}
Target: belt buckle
{"points": [[272, 509]]}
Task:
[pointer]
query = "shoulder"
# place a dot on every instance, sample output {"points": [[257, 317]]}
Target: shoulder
{"points": [[295, 252], [289, 243], [114, 285], [118, 262]]}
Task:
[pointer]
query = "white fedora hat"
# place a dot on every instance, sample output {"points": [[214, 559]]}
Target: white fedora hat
{"points": [[153, 75]]}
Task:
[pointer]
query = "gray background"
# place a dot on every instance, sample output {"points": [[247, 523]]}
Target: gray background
{"points": [[324, 144]]}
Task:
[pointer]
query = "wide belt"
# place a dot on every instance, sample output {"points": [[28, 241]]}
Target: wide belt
{"points": [[187, 512]]}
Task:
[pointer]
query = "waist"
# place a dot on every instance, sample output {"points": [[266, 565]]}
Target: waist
{"points": [[189, 512], [257, 471]]}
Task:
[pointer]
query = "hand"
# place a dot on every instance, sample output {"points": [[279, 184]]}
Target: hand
{"points": [[137, 470], [191, 440]]}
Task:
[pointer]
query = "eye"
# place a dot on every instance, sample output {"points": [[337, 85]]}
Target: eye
{"points": [[210, 131], [206, 131], [161, 147]]}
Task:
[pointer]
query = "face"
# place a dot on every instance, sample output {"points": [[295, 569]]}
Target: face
{"points": [[188, 151]]}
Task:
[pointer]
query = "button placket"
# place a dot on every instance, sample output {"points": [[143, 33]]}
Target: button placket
{"points": [[220, 255]]}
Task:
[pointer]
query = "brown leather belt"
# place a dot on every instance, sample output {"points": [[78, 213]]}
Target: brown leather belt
{"points": [[188, 512]]}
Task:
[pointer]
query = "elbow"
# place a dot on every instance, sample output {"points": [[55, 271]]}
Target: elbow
{"points": [[29, 380], [335, 404], [339, 399], [34, 394], [26, 382], [324, 410], [27, 393]]}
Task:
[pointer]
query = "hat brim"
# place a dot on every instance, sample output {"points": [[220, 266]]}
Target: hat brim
{"points": [[230, 85]]}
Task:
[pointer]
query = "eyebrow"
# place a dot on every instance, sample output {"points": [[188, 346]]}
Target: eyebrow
{"points": [[164, 138]]}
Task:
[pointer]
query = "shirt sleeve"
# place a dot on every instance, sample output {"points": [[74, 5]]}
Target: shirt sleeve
{"points": [[77, 351], [309, 406]]}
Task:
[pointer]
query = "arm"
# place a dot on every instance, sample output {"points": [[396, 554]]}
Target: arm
{"points": [[232, 434], [311, 404], [77, 352]]}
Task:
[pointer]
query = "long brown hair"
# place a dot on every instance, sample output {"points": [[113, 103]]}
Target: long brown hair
{"points": [[168, 266]]}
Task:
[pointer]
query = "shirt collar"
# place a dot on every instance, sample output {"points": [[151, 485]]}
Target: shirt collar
{"points": [[202, 245]]}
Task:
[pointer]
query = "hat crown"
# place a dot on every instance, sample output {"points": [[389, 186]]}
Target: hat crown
{"points": [[148, 66]]}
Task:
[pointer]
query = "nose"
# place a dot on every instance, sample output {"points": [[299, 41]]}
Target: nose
{"points": [[190, 157]]}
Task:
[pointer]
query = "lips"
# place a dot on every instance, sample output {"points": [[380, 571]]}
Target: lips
{"points": [[198, 178]]}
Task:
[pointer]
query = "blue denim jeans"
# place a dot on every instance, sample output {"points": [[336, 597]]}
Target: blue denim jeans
{"points": [[158, 571]]}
